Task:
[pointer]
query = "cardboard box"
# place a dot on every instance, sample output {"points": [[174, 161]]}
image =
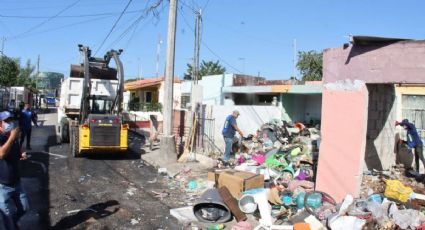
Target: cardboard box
{"points": [[213, 175], [239, 181]]}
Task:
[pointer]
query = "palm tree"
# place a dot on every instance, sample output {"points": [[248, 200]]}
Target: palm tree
{"points": [[206, 68]]}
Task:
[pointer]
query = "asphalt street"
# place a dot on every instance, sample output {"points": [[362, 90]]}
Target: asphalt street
{"points": [[92, 192]]}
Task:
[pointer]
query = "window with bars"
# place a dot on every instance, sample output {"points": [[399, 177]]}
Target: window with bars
{"points": [[413, 108]]}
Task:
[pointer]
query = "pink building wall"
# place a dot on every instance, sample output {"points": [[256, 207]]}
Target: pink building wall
{"points": [[345, 106], [400, 62], [344, 124]]}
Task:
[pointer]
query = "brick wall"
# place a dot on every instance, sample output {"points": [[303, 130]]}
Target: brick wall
{"points": [[380, 137]]}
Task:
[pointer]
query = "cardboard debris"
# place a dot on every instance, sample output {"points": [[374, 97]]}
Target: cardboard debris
{"points": [[238, 181]]}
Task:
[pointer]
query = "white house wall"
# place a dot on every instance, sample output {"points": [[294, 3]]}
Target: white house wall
{"points": [[213, 86], [176, 95], [250, 120]]}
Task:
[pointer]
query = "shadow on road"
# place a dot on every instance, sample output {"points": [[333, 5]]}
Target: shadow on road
{"points": [[96, 211], [35, 180], [134, 152], [129, 155]]}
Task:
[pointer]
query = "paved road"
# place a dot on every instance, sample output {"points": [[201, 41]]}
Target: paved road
{"points": [[98, 192]]}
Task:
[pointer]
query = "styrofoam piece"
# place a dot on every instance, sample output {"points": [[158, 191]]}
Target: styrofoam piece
{"points": [[184, 214]]}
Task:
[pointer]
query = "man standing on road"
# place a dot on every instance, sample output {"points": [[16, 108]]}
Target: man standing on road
{"points": [[414, 142], [27, 116], [229, 130], [13, 200]]}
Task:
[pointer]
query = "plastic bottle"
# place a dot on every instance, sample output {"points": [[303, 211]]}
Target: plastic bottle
{"points": [[216, 227], [314, 200]]}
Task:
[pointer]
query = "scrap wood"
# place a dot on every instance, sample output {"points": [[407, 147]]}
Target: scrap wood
{"points": [[189, 142]]}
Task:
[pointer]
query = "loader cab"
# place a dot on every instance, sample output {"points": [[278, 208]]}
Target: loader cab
{"points": [[100, 104]]}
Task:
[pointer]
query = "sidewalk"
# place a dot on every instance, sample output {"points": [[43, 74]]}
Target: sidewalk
{"points": [[152, 157]]}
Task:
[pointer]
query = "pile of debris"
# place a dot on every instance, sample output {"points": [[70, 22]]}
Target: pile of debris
{"points": [[273, 183], [389, 200]]}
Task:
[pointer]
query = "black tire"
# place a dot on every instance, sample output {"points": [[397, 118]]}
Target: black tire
{"points": [[65, 133], [74, 142]]}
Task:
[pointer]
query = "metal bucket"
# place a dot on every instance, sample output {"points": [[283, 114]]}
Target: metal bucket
{"points": [[247, 204]]}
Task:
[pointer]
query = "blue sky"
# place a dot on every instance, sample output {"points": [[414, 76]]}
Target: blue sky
{"points": [[246, 36]]}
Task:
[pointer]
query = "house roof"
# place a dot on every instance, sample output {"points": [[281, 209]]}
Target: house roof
{"points": [[146, 83], [371, 40], [267, 89]]}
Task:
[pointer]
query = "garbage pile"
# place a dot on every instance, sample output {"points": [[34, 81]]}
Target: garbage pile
{"points": [[280, 152], [389, 200], [273, 183]]}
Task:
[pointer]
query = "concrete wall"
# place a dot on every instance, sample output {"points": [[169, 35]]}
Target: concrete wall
{"points": [[380, 137], [400, 62], [313, 107], [176, 95], [250, 119], [344, 125], [345, 101], [300, 107], [213, 88]]}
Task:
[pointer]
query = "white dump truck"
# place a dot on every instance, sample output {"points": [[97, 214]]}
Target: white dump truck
{"points": [[92, 88]]}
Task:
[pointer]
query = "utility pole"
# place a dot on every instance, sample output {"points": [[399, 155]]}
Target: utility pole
{"points": [[168, 146], [195, 66], [38, 65], [158, 52], [3, 39], [139, 69], [294, 60]]}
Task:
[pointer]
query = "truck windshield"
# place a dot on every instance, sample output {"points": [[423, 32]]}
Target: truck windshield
{"points": [[100, 106]]}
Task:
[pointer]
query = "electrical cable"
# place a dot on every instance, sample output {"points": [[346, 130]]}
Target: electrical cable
{"points": [[206, 4], [136, 23], [47, 20], [206, 46], [113, 27], [65, 26], [68, 16]]}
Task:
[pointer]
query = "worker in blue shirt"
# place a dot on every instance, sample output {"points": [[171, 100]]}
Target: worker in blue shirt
{"points": [[414, 142], [229, 130], [13, 200], [28, 116]]}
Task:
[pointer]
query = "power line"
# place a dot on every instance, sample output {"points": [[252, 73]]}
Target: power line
{"points": [[47, 20], [206, 4], [64, 26], [115, 24], [136, 23], [208, 48], [68, 16]]}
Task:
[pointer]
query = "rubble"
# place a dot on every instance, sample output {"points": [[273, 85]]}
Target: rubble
{"points": [[273, 182]]}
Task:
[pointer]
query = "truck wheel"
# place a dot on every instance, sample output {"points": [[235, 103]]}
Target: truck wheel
{"points": [[65, 133], [74, 142]]}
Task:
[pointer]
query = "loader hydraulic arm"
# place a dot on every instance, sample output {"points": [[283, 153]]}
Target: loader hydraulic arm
{"points": [[86, 88], [120, 70]]}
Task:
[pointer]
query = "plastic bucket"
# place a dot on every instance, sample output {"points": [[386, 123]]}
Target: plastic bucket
{"points": [[211, 208]]}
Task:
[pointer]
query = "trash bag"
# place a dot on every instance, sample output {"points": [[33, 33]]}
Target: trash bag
{"points": [[396, 190]]}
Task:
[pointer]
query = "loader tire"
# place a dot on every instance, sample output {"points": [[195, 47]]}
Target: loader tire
{"points": [[74, 142]]}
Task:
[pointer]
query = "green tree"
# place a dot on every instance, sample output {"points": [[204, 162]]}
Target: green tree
{"points": [[25, 74], [310, 65], [9, 71], [206, 68]]}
